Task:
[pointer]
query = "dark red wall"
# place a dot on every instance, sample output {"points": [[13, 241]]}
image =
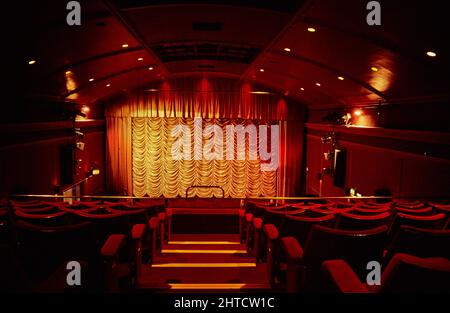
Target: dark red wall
{"points": [[30, 155], [382, 159]]}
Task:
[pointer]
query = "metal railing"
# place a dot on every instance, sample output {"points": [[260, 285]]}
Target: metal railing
{"points": [[242, 198]]}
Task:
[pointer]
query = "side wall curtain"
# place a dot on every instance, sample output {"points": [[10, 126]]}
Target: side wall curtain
{"points": [[119, 158], [209, 99]]}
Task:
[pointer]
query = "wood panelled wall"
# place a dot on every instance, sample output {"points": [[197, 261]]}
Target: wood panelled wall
{"points": [[408, 163], [30, 155]]}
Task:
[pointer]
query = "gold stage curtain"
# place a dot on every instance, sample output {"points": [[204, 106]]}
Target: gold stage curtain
{"points": [[138, 121], [156, 173]]}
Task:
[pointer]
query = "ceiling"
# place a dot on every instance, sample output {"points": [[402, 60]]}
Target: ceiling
{"points": [[123, 45]]}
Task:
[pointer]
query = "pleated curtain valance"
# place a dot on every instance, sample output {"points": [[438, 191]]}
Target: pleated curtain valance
{"points": [[218, 98]]}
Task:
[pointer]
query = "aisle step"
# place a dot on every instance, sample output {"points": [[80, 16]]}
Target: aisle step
{"points": [[205, 251], [204, 263]]}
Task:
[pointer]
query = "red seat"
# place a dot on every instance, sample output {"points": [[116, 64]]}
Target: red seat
{"points": [[324, 243], [57, 218], [436, 221], [364, 210], [409, 204], [360, 222], [420, 242], [271, 216], [404, 273], [414, 211]]}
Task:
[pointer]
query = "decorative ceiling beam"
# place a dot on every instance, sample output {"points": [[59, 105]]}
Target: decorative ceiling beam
{"points": [[134, 31]]}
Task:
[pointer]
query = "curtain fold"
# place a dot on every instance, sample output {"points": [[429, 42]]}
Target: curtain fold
{"points": [[119, 159], [157, 171], [138, 139]]}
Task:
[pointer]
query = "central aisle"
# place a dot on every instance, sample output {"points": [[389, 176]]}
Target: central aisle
{"points": [[204, 262]]}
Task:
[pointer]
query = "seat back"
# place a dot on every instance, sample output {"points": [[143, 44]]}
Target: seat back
{"points": [[46, 218], [414, 211], [43, 249], [435, 221], [409, 204], [407, 273], [300, 226], [420, 242], [367, 210], [361, 222], [357, 248]]}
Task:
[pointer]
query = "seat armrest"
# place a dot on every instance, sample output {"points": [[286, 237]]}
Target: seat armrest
{"points": [[342, 277], [153, 223], [271, 231], [112, 245], [292, 248], [241, 213], [137, 232], [248, 217], [161, 216], [257, 222]]}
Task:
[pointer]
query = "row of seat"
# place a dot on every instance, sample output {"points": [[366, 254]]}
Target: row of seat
{"points": [[296, 239], [313, 257], [44, 236]]}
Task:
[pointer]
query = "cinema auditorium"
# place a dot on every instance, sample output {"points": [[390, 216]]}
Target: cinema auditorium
{"points": [[174, 146]]}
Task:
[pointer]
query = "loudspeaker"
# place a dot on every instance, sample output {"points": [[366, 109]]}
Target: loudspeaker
{"points": [[66, 164], [340, 167]]}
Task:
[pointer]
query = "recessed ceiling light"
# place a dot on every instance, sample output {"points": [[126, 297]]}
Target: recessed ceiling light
{"points": [[140, 59], [431, 54], [340, 78], [150, 68], [261, 70], [108, 85], [374, 69], [318, 84], [311, 29], [31, 62], [91, 79], [287, 49], [302, 89], [125, 45]]}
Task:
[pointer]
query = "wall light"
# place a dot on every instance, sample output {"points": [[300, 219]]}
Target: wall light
{"points": [[95, 171], [85, 109]]}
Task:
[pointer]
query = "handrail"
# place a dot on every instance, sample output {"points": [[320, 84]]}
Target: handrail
{"points": [[75, 184], [201, 186], [242, 198]]}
